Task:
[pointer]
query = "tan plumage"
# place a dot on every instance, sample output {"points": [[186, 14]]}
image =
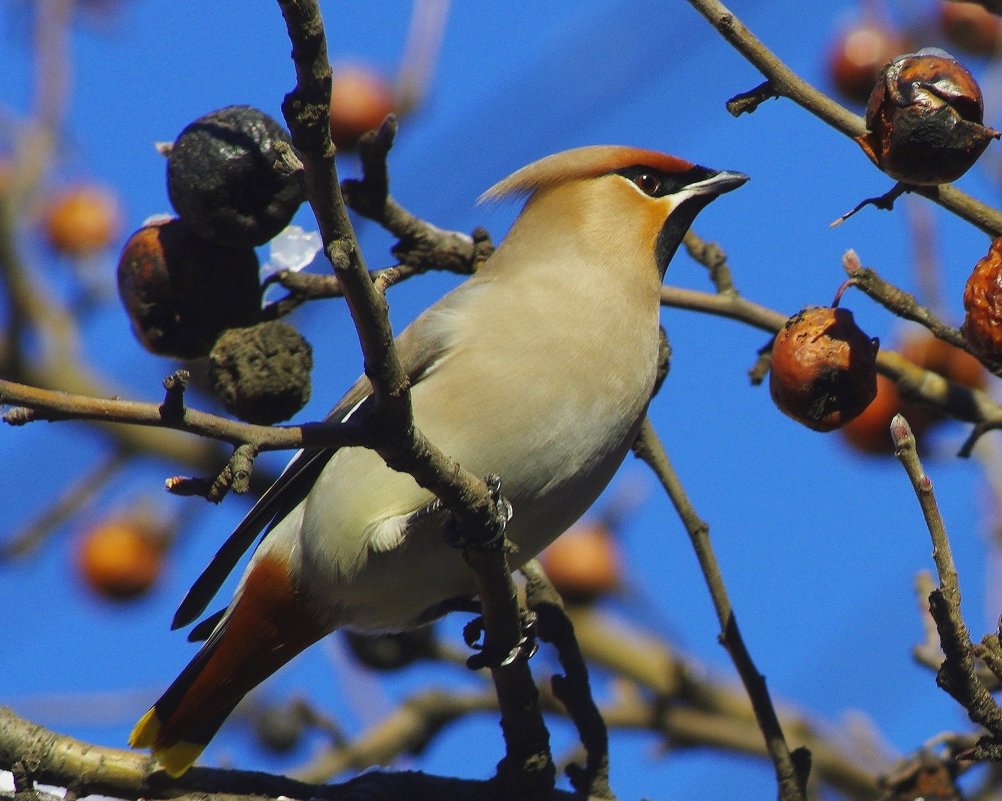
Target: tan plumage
{"points": [[539, 369]]}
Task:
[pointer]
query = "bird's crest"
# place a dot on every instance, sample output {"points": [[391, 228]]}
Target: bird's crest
{"points": [[579, 163]]}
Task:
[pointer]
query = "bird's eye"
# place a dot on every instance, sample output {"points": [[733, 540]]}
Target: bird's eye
{"points": [[648, 183]]}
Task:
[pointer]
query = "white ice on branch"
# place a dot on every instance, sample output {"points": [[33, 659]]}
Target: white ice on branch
{"points": [[293, 249]]}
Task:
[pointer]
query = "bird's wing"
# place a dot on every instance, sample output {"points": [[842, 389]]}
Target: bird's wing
{"points": [[278, 500], [419, 348]]}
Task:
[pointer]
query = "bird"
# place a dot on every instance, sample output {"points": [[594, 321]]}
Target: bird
{"points": [[538, 369]]}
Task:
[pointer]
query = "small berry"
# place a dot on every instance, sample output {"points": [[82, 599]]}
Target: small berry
{"points": [[824, 370], [971, 27], [181, 292], [262, 373], [941, 357], [924, 119], [360, 101], [228, 178], [868, 431], [983, 304], [859, 54], [584, 562], [82, 220], [120, 558]]}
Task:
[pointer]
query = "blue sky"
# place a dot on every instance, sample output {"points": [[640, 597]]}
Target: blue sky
{"points": [[819, 546]]}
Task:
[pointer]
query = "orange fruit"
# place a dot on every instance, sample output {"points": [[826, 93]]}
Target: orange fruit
{"points": [[584, 562], [360, 101], [971, 27], [180, 291], [924, 119], [869, 432], [858, 55], [983, 304], [82, 220], [824, 370], [120, 558], [941, 357]]}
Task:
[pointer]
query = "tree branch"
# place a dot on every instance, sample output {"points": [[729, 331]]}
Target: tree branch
{"points": [[420, 245], [901, 303], [394, 436], [402, 446], [83, 768]]}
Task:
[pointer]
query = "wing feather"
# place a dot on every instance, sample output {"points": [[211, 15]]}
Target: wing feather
{"points": [[419, 347], [278, 500]]}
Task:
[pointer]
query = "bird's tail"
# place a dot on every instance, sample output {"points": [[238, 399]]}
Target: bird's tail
{"points": [[266, 626]]}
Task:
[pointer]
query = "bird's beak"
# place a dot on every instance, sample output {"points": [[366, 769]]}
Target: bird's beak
{"points": [[718, 183], [687, 203]]}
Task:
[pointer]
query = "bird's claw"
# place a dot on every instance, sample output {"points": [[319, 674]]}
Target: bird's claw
{"points": [[525, 648], [503, 512]]}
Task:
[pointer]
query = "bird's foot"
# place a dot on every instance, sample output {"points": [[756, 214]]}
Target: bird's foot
{"points": [[524, 649], [503, 512]]}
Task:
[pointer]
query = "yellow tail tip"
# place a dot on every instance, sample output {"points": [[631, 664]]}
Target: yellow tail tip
{"points": [[146, 730], [175, 758]]}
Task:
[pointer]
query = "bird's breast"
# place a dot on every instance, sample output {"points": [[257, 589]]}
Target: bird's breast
{"points": [[548, 397]]}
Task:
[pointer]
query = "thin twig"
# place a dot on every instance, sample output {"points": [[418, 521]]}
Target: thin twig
{"points": [[902, 304], [729, 305], [792, 768], [235, 475], [49, 405], [420, 245], [305, 287], [424, 41], [711, 256], [527, 770], [175, 385], [409, 728], [400, 444], [884, 202], [573, 688], [958, 674]]}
